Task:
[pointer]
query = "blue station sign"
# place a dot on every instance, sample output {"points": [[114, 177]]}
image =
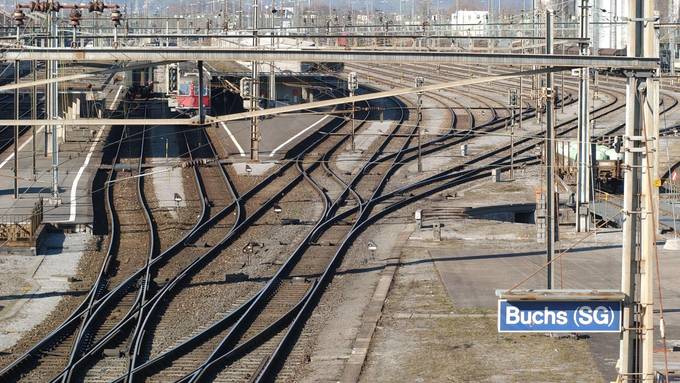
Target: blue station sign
{"points": [[559, 316]]}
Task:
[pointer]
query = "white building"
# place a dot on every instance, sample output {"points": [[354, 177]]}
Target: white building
{"points": [[472, 22], [609, 29]]}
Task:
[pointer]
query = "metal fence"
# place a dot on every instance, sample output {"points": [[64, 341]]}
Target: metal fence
{"points": [[16, 228]]}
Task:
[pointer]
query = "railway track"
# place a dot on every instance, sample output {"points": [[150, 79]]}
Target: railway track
{"points": [[281, 296], [185, 354], [45, 360], [138, 245], [253, 337], [244, 350], [98, 348], [273, 366], [171, 258]]}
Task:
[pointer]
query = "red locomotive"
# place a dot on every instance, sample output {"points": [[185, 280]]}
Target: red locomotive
{"points": [[183, 84]]}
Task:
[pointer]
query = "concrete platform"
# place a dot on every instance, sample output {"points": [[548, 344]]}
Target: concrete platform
{"points": [[471, 271], [78, 161], [80, 154], [279, 134]]}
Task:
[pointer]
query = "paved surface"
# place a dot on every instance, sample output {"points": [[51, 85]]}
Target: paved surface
{"points": [[79, 157], [163, 152], [31, 287], [278, 135], [471, 271], [77, 163]]}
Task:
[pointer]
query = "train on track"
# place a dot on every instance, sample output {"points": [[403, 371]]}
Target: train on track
{"points": [[182, 85], [607, 172]]}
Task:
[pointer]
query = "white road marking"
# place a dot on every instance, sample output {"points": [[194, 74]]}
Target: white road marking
{"points": [[30, 138], [233, 139], [303, 131], [115, 99], [74, 187]]}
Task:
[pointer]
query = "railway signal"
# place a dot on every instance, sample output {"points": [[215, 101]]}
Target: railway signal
{"points": [[513, 100], [352, 82], [246, 88], [372, 248], [246, 91], [666, 60], [172, 79]]}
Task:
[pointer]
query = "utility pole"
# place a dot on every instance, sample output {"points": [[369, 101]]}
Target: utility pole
{"points": [[53, 103], [17, 114], [521, 94], [201, 93], [46, 91], [650, 196], [636, 362], [240, 14], [225, 16], [34, 112], [513, 105], [629, 366], [596, 32], [583, 155], [551, 222], [534, 78], [254, 100], [272, 71], [352, 86], [562, 91], [16, 117]]}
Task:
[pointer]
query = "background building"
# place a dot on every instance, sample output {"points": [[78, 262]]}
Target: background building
{"points": [[473, 22]]}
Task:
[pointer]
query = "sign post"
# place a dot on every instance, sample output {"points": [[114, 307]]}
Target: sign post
{"points": [[559, 317], [560, 311]]}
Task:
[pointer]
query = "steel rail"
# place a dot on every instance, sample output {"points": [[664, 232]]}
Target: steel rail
{"points": [[203, 224], [80, 311], [251, 191], [406, 144], [305, 147], [95, 313], [441, 143], [71, 323], [144, 319], [294, 258], [496, 163], [276, 361], [273, 365], [229, 342], [188, 269]]}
